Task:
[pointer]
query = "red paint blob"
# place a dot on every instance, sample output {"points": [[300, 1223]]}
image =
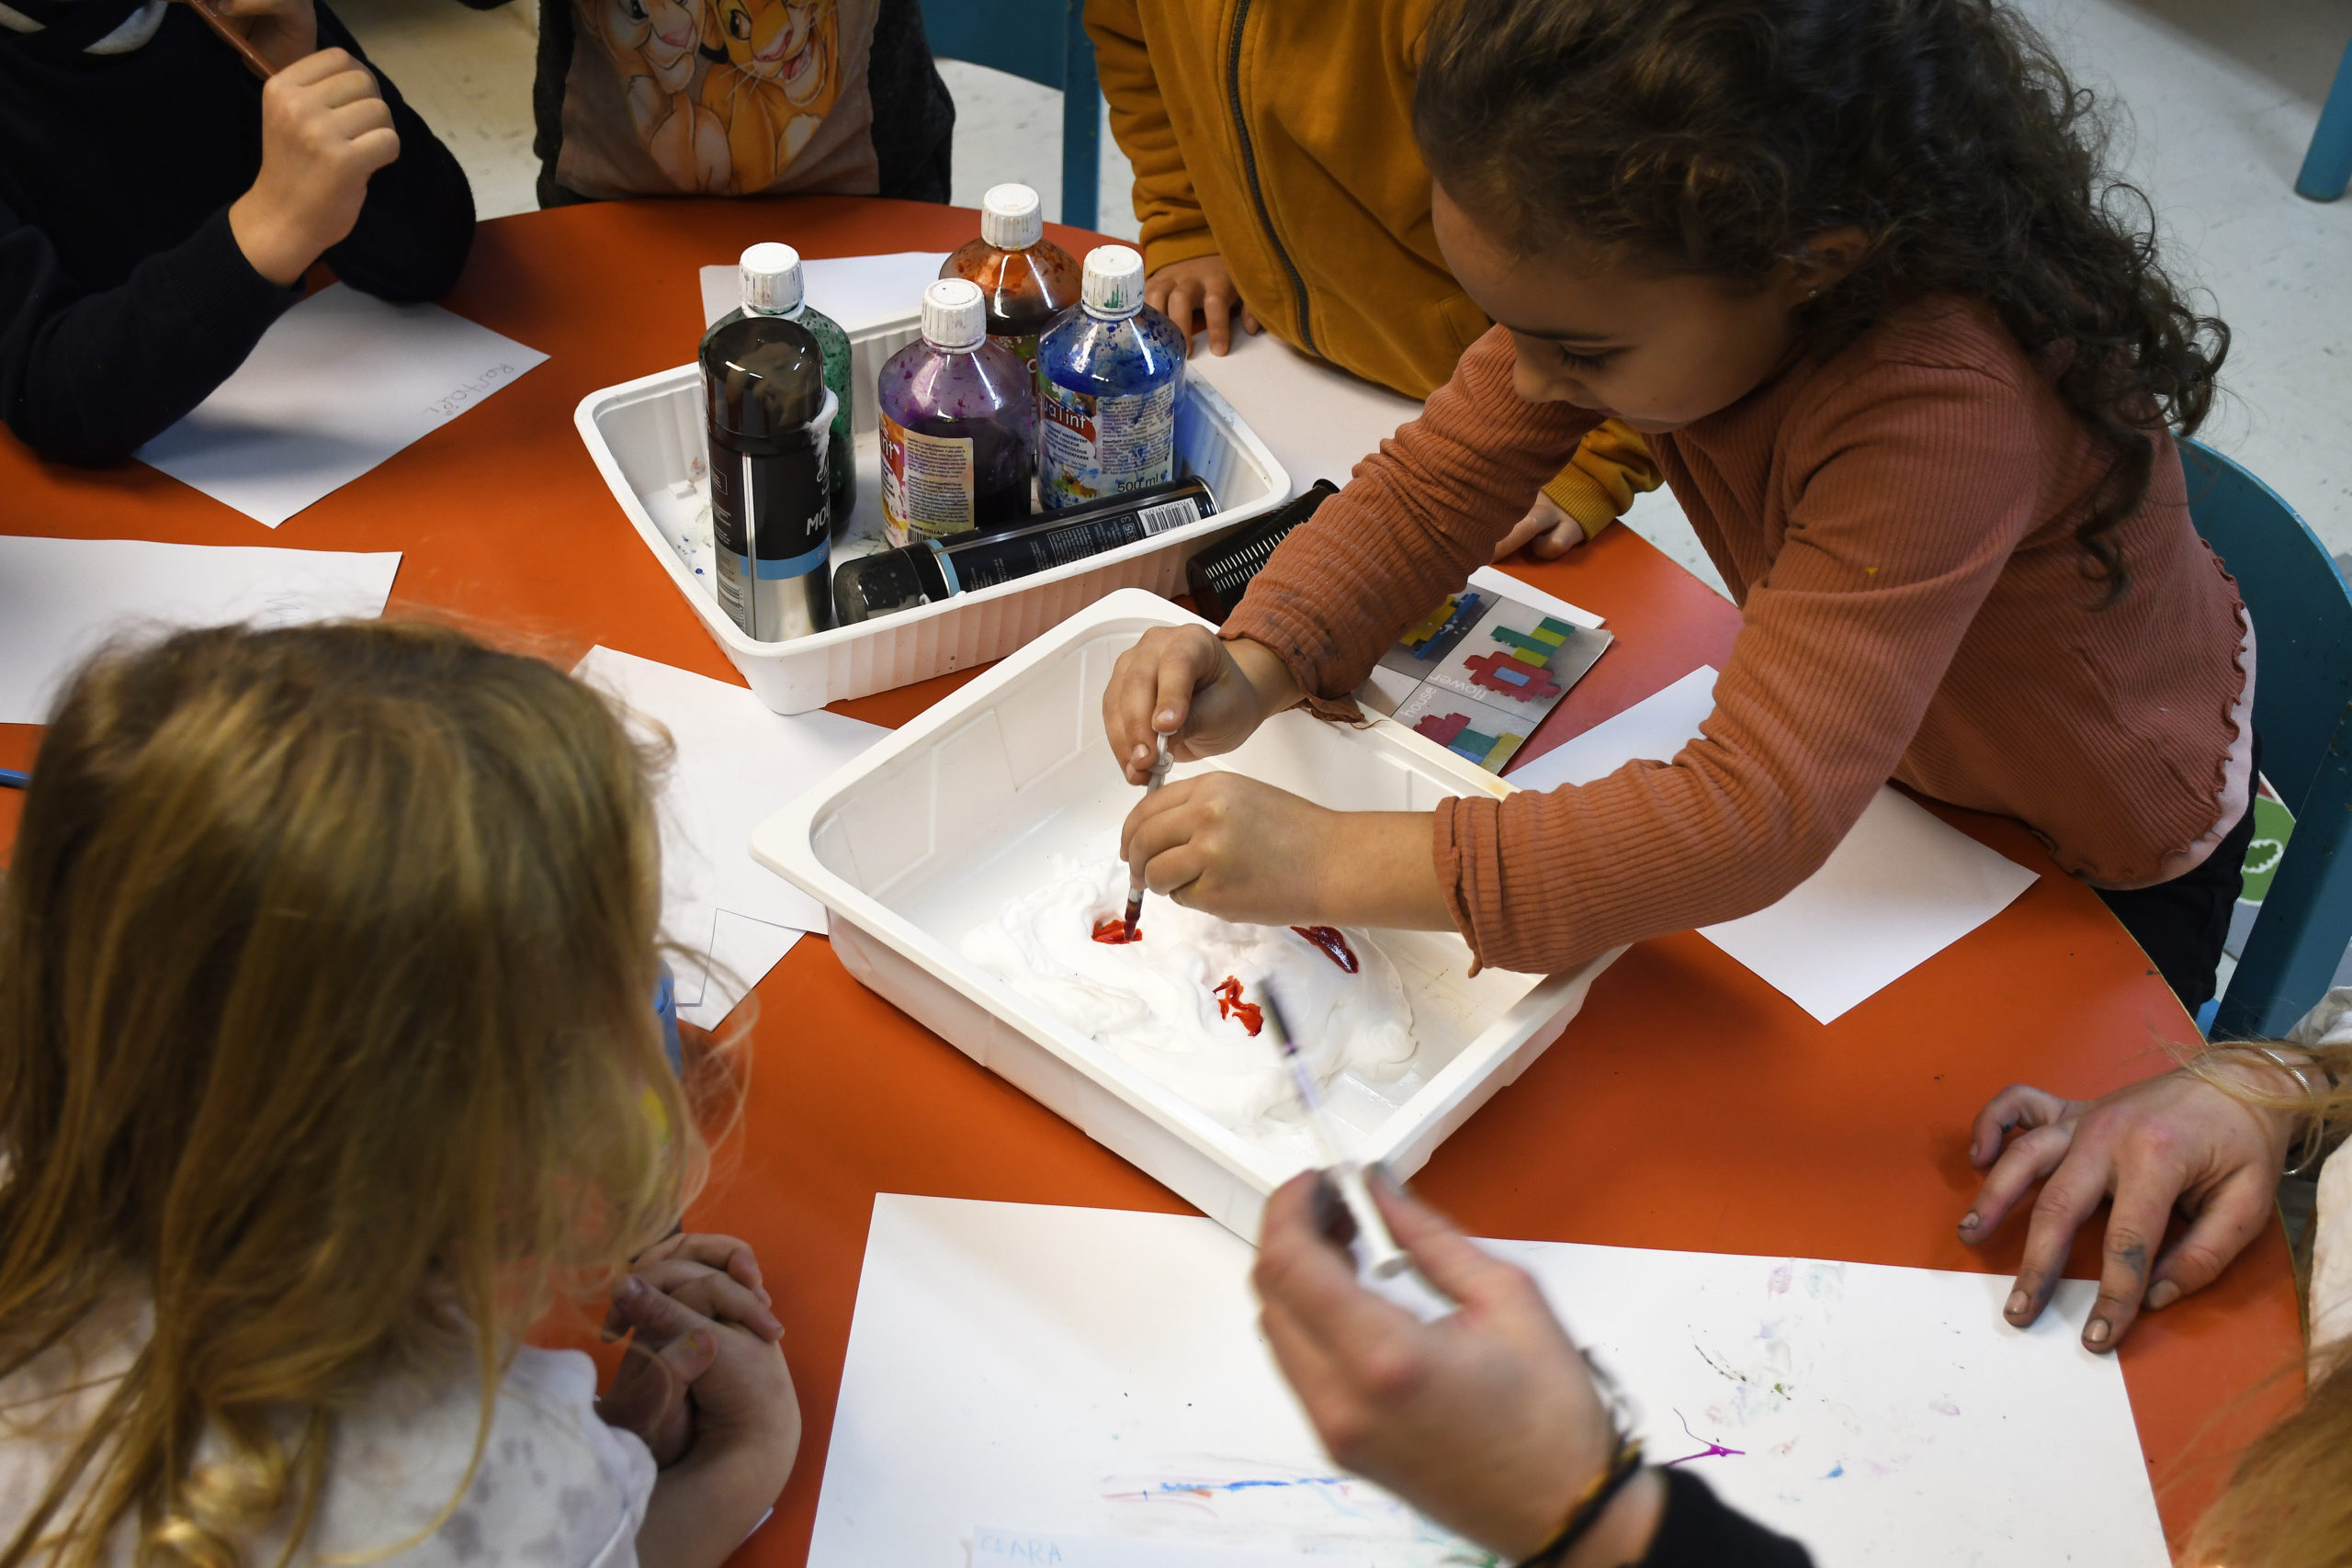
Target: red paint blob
{"points": [[1230, 1005], [1335, 946], [1113, 930]]}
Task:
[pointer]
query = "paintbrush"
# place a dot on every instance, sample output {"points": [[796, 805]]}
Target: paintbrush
{"points": [[1382, 1256], [233, 38], [1135, 879]]}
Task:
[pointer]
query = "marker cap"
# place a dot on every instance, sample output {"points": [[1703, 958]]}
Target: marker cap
{"points": [[1011, 219], [771, 279], [1113, 281]]}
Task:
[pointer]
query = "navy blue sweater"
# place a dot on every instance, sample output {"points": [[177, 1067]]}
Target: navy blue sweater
{"points": [[124, 300]]}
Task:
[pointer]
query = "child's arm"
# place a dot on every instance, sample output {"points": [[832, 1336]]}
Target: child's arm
{"points": [[413, 234], [706, 1387], [88, 378], [1174, 228]]}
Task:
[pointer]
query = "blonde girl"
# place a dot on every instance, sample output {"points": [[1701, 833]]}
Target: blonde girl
{"points": [[327, 1065]]}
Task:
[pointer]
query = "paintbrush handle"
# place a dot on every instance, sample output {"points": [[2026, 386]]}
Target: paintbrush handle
{"points": [[1382, 1258], [233, 38]]}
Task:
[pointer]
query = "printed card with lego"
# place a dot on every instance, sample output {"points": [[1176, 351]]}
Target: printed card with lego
{"points": [[1423, 648], [1483, 732], [1521, 660]]}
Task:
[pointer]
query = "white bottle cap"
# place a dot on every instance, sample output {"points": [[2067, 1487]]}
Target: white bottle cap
{"points": [[771, 276], [1011, 219], [1113, 283], [953, 316]]}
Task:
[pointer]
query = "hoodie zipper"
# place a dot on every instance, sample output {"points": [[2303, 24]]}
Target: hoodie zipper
{"points": [[1249, 168]]}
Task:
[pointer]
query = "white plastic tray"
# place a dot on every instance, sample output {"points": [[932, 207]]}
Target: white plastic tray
{"points": [[648, 440], [927, 834]]}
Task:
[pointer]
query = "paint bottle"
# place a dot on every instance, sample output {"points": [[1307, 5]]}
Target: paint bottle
{"points": [[771, 286], [1024, 278], [769, 412], [959, 425], [1110, 374]]}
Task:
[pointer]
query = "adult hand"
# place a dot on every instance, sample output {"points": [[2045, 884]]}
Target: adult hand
{"points": [[1547, 532], [1241, 850], [281, 31], [1204, 281], [324, 130], [1485, 1420], [1204, 694], [2167, 1143]]}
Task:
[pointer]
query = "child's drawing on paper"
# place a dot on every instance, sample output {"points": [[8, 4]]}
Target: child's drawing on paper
{"points": [[1322, 1517]]}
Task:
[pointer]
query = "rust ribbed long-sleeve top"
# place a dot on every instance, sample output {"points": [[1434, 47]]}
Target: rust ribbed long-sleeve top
{"points": [[1897, 525]]}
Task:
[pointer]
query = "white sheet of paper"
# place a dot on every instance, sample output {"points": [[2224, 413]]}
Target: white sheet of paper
{"points": [[1318, 421], [993, 1547], [735, 763], [338, 384], [858, 292], [61, 598], [1901, 888], [1653, 728], [1029, 1372]]}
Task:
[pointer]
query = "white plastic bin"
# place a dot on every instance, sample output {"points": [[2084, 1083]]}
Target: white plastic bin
{"points": [[928, 834], [648, 440]]}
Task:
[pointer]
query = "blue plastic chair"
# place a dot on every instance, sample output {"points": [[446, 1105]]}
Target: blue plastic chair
{"points": [[1043, 42], [2302, 705], [2327, 167]]}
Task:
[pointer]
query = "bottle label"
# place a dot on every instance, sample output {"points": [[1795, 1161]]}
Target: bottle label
{"points": [[1099, 446], [926, 484], [770, 523]]}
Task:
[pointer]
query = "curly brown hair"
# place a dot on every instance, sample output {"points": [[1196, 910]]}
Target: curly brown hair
{"points": [[1719, 136]]}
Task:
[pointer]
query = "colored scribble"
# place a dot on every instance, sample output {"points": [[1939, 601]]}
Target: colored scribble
{"points": [[1334, 945], [1453, 731], [1512, 677], [1230, 1005], [1712, 1450], [1116, 931]]}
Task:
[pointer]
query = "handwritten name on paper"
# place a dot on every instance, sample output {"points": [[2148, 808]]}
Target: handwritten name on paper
{"points": [[472, 392]]}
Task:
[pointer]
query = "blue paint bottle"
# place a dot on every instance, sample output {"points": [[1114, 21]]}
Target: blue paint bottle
{"points": [[1110, 374]]}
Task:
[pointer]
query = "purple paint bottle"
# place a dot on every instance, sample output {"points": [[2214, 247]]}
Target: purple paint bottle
{"points": [[1110, 374], [959, 425]]}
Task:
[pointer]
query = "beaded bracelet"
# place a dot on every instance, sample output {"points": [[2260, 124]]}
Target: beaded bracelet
{"points": [[1594, 1502]]}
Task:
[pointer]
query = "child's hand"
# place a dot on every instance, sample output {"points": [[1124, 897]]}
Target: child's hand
{"points": [[711, 1395], [1206, 282], [1205, 694], [281, 31], [1547, 532], [1245, 851], [324, 129], [675, 1296]]}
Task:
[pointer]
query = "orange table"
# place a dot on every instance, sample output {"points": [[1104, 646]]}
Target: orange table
{"points": [[1689, 1106]]}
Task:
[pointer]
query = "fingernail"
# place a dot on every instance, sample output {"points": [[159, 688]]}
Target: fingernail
{"points": [[1968, 1222], [766, 1299], [629, 1289], [2019, 1302], [701, 1343], [2098, 1332], [1167, 719], [2163, 1294]]}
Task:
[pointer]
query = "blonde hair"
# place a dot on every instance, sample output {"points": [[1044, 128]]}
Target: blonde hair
{"points": [[326, 965], [2288, 1503]]}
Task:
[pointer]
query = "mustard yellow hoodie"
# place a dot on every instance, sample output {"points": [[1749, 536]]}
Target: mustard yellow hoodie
{"points": [[1280, 133]]}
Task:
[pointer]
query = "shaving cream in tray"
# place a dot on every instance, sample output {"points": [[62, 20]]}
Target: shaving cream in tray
{"points": [[1173, 1003]]}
